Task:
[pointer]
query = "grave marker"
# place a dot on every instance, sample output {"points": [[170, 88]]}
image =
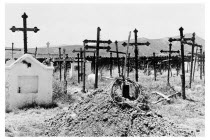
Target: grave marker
{"points": [[97, 47], [169, 59], [24, 30], [136, 44]]}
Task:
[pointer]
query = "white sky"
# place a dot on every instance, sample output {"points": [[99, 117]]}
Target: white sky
{"points": [[72, 23]]}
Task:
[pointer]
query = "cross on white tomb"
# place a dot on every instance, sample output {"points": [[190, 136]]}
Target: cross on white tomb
{"points": [[24, 30]]}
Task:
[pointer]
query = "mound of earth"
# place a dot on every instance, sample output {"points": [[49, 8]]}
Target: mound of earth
{"points": [[98, 115]]}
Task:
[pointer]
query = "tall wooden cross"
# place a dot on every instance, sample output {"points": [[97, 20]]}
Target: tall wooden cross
{"points": [[97, 47], [83, 64], [24, 30], [169, 59], [182, 39], [136, 44], [13, 49], [193, 44]]}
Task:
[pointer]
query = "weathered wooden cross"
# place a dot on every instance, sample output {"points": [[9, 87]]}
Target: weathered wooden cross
{"points": [[193, 44], [97, 47], [169, 60], [83, 68], [13, 49], [24, 30], [136, 44], [117, 53], [182, 39]]}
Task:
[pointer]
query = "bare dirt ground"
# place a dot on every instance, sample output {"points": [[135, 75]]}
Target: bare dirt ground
{"points": [[95, 114]]}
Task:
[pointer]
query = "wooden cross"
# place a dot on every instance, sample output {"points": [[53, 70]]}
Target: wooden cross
{"points": [[97, 47], [169, 59], [182, 40], [48, 51], [13, 49], [193, 44], [136, 44], [117, 53], [80, 74], [24, 30]]}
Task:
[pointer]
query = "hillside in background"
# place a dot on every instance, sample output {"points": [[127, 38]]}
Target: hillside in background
{"points": [[155, 46]]}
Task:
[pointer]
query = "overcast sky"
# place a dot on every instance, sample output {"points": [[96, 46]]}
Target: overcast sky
{"points": [[72, 23]]}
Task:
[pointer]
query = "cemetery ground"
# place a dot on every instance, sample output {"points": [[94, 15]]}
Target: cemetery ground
{"points": [[94, 114]]}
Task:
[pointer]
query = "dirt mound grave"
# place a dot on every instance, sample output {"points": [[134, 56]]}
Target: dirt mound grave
{"points": [[98, 115]]}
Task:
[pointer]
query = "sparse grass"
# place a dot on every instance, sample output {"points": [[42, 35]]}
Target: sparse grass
{"points": [[185, 113]]}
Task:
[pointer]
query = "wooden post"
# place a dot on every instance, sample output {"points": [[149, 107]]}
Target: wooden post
{"points": [[204, 64], [94, 58], [65, 69], [154, 66], [110, 64], [78, 68], [60, 62], [97, 55], [81, 55], [84, 65], [201, 63], [192, 56], [169, 64], [128, 65], [136, 54], [35, 52], [12, 49], [195, 64], [118, 62], [183, 68]]}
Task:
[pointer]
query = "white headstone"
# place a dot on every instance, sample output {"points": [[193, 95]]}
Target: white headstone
{"points": [[28, 81]]}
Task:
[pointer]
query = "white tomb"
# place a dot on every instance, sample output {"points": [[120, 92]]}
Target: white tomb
{"points": [[27, 81], [74, 69]]}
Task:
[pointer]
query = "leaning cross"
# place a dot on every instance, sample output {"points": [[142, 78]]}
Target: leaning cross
{"points": [[97, 47], [169, 59], [24, 30], [136, 50], [13, 49]]}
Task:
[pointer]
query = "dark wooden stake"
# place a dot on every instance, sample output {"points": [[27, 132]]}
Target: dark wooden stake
{"points": [[154, 65], [78, 68], [110, 64], [60, 62], [128, 65], [65, 70]]}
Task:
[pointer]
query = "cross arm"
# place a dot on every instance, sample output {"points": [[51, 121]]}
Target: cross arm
{"points": [[117, 52], [14, 49], [162, 51], [35, 29], [100, 47], [95, 41], [173, 39], [131, 44], [83, 51], [188, 43]]}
